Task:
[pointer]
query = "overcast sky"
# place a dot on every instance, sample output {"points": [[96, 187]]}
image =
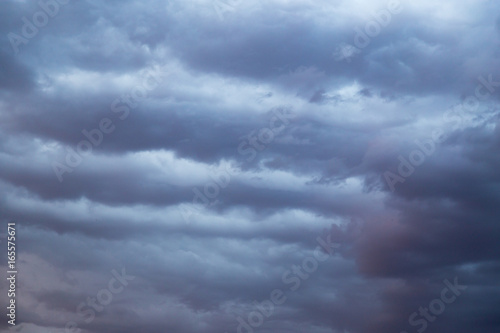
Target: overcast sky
{"points": [[211, 166]]}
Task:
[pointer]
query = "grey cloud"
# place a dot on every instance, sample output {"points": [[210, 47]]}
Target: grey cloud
{"points": [[322, 175]]}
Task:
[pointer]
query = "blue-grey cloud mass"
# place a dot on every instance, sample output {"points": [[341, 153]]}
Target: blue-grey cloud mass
{"points": [[251, 166]]}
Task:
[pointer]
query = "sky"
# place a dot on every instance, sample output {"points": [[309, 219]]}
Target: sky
{"points": [[221, 166]]}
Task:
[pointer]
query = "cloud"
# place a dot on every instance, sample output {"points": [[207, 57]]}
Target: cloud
{"points": [[225, 138]]}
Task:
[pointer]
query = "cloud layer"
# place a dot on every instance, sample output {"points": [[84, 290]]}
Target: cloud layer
{"points": [[210, 149]]}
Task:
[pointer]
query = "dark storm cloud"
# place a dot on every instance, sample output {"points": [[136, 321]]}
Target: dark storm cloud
{"points": [[152, 197], [13, 75]]}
